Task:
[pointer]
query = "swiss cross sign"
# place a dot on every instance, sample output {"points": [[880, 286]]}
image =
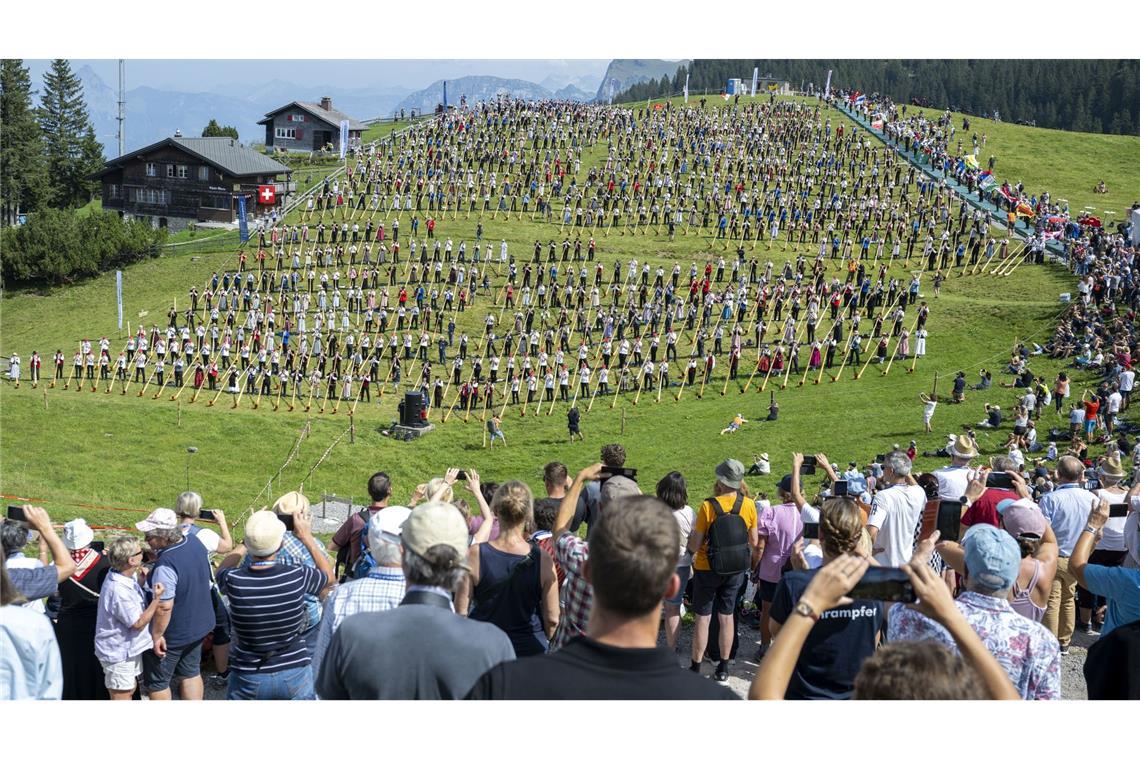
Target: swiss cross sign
{"points": [[266, 195]]}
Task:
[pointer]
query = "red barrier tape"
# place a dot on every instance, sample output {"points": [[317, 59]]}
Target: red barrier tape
{"points": [[72, 503]]}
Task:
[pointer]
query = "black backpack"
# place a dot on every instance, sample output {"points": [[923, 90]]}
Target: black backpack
{"points": [[728, 549]]}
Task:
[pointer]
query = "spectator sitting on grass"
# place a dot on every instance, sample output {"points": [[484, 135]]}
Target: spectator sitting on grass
{"points": [[993, 417]]}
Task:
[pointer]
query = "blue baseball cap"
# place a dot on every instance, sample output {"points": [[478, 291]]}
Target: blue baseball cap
{"points": [[993, 558]]}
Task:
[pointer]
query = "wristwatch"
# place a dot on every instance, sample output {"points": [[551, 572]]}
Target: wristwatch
{"points": [[805, 609]]}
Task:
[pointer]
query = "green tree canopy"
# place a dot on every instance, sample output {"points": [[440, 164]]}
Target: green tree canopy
{"points": [[213, 129], [23, 170], [72, 152]]}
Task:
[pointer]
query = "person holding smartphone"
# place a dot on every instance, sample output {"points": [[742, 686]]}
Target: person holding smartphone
{"points": [[14, 535], [296, 552], [1110, 551], [989, 488], [1026, 649], [844, 636], [188, 507], [779, 527], [896, 510], [39, 582], [270, 657], [890, 672], [1119, 585]]}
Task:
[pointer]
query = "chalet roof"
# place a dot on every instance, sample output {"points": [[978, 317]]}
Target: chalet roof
{"points": [[223, 153], [331, 116]]}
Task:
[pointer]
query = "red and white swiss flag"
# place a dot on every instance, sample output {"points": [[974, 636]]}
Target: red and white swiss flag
{"points": [[266, 195]]}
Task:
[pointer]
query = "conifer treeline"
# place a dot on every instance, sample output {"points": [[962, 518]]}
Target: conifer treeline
{"points": [[1078, 95]]}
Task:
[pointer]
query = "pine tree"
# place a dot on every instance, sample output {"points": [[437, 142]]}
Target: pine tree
{"points": [[66, 128], [90, 161], [213, 129], [22, 170]]}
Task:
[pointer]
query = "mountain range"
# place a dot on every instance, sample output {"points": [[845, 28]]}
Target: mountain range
{"points": [[482, 88], [153, 113], [624, 72]]}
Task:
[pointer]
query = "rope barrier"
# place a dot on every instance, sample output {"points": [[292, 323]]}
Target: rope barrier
{"points": [[305, 430]]}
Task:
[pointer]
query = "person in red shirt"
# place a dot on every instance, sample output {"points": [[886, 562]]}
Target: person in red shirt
{"points": [[1092, 406], [983, 511]]}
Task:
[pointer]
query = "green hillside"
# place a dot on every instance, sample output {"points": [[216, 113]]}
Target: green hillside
{"points": [[93, 454]]}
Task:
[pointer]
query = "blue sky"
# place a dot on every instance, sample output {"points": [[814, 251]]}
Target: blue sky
{"points": [[207, 75]]}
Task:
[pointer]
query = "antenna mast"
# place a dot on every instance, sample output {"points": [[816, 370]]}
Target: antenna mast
{"points": [[122, 102]]}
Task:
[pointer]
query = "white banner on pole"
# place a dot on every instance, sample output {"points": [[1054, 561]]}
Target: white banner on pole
{"points": [[686, 87], [755, 77], [343, 138], [827, 87], [119, 295]]}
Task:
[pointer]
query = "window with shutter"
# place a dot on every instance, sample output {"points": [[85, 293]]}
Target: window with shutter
{"points": [[300, 133]]}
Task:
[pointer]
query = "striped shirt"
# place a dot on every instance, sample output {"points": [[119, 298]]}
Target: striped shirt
{"points": [[293, 552], [267, 612]]}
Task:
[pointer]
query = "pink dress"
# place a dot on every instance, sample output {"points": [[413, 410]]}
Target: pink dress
{"points": [[815, 361]]}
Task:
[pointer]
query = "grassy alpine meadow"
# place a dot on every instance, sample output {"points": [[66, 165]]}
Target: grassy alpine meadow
{"points": [[110, 457]]}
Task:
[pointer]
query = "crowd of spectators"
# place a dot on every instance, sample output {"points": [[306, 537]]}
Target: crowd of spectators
{"points": [[847, 576]]}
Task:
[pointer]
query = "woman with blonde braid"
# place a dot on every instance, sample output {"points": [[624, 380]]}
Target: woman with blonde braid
{"points": [[845, 635]]}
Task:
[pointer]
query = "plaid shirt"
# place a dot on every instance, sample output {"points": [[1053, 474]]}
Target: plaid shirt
{"points": [[383, 589], [577, 595], [293, 552]]}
